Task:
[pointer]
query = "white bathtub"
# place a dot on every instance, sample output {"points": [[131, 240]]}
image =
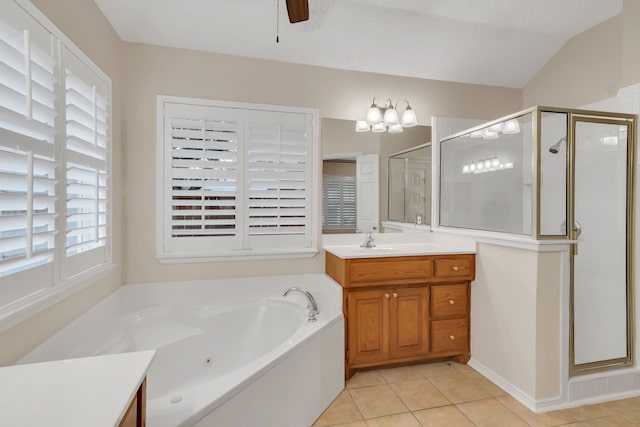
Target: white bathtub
{"points": [[230, 352]]}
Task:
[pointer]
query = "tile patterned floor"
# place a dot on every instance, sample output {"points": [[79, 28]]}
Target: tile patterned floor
{"points": [[454, 395]]}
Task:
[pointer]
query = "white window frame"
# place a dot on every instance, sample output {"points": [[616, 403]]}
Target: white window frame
{"points": [[67, 277], [164, 252]]}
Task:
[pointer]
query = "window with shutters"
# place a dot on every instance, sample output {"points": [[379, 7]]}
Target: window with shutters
{"points": [[54, 161], [235, 180], [338, 203]]}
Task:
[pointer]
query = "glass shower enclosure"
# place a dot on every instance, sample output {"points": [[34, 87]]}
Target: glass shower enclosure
{"points": [[565, 175]]}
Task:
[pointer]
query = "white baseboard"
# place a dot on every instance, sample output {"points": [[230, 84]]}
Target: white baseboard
{"points": [[584, 390]]}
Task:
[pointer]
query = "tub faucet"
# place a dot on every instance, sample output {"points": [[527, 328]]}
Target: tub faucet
{"points": [[368, 243], [312, 307]]}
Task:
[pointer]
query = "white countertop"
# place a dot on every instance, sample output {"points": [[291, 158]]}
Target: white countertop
{"points": [[92, 391], [395, 249]]}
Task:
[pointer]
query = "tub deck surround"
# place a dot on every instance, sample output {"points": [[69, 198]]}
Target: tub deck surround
{"points": [[92, 391], [403, 302], [220, 344]]}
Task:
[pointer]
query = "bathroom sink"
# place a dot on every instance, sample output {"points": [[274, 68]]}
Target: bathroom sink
{"points": [[385, 248], [393, 249]]}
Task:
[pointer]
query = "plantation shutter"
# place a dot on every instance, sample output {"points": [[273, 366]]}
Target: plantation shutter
{"points": [[235, 180], [28, 128], [279, 176], [87, 124], [338, 202], [201, 145]]}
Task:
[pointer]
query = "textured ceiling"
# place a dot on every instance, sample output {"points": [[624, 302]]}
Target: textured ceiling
{"points": [[494, 42]]}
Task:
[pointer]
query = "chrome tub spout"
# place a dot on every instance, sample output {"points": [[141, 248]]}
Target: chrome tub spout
{"points": [[312, 307]]}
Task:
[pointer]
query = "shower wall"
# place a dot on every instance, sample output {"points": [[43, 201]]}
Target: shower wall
{"points": [[553, 174], [486, 179]]}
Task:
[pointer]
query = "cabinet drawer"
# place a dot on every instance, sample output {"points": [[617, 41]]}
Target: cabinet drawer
{"points": [[449, 335], [364, 272], [461, 267], [449, 300]]}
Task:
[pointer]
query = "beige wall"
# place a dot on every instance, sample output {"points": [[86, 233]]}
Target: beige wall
{"points": [[342, 168], [592, 66], [503, 314], [585, 70], [630, 59], [150, 70], [339, 137], [549, 326], [91, 32], [515, 318]]}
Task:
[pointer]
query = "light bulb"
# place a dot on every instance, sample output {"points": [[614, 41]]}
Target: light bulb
{"points": [[362, 126], [487, 134], [374, 116], [496, 128], [409, 118], [511, 126], [495, 162], [465, 169], [390, 116], [397, 128], [480, 165], [472, 167], [487, 164], [378, 127]]}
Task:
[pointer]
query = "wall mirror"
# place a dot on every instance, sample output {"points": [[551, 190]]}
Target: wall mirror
{"points": [[343, 209], [409, 186]]}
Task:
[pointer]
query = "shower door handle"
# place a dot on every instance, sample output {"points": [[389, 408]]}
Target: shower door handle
{"points": [[577, 229]]}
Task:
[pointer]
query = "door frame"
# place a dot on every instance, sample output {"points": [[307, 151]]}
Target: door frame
{"points": [[627, 360]]}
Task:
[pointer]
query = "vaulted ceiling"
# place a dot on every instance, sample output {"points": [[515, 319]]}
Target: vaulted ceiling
{"points": [[493, 42]]}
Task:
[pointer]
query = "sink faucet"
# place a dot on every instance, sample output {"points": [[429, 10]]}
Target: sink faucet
{"points": [[368, 243], [312, 307]]}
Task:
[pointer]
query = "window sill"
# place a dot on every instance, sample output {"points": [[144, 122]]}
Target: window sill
{"points": [[18, 311], [237, 255]]}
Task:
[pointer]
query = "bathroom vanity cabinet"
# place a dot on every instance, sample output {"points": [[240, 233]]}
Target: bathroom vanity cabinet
{"points": [[402, 309], [136, 414]]}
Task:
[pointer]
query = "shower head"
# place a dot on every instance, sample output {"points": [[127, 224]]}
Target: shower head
{"points": [[555, 148]]}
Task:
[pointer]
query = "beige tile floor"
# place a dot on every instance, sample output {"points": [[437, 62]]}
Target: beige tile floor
{"points": [[450, 394]]}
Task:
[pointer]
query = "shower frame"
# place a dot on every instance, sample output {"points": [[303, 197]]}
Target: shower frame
{"points": [[570, 237]]}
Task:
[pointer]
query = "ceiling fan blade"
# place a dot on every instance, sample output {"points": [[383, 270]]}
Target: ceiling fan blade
{"points": [[298, 10]]}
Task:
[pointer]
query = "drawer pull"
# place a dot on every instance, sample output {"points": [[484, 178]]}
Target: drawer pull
{"points": [[454, 268], [451, 302], [395, 295], [452, 337], [386, 295]]}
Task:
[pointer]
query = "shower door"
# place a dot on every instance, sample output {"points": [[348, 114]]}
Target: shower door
{"points": [[602, 218]]}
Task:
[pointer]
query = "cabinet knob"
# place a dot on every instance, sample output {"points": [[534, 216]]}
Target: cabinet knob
{"points": [[454, 268], [386, 295], [452, 337], [451, 302], [395, 295]]}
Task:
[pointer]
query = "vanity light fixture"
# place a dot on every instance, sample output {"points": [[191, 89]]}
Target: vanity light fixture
{"points": [[488, 164], [386, 118], [510, 127]]}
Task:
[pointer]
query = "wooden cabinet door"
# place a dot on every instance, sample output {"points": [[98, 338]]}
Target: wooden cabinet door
{"points": [[409, 328], [368, 328]]}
